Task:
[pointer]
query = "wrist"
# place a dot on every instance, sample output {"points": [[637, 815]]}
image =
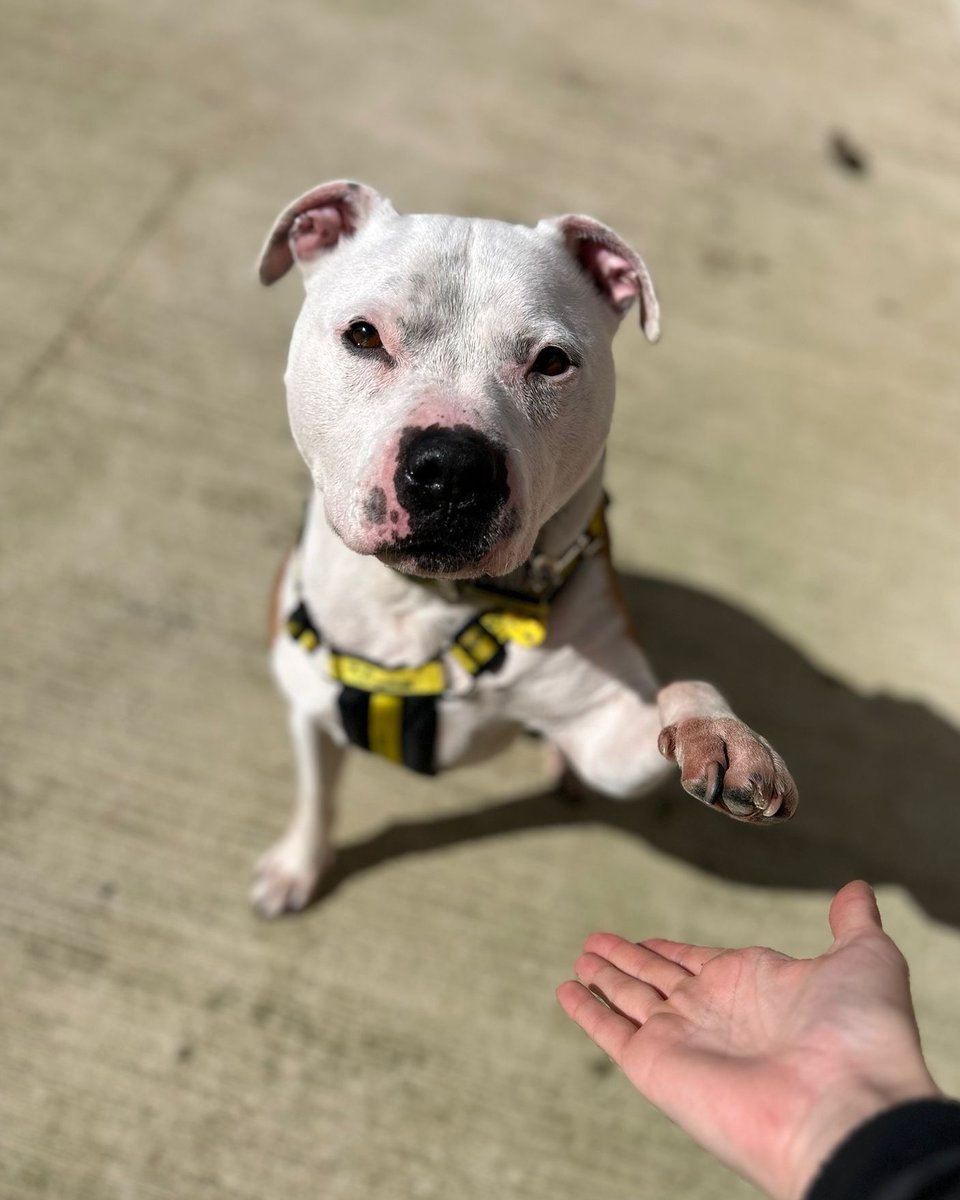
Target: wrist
{"points": [[835, 1116]]}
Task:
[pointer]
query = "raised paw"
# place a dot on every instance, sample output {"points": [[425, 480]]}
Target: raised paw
{"points": [[286, 878], [732, 769]]}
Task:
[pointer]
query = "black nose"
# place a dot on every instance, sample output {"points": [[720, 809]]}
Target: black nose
{"points": [[452, 471]]}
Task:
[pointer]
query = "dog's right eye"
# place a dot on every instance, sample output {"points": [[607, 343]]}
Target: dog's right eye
{"points": [[364, 336], [552, 361]]}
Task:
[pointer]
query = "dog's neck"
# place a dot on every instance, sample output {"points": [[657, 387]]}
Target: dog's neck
{"points": [[559, 533]]}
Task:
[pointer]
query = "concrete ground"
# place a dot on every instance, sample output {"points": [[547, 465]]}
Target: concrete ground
{"points": [[785, 467]]}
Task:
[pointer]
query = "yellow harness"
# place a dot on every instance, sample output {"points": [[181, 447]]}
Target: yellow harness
{"points": [[392, 711]]}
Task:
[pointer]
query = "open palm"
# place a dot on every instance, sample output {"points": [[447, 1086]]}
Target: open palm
{"points": [[767, 1061]]}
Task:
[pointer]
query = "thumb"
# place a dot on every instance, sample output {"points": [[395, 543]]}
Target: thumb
{"points": [[854, 911]]}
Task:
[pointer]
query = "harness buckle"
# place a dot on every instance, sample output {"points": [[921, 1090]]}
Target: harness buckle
{"points": [[546, 573]]}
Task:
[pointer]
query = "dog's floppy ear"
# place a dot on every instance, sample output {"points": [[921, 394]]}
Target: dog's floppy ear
{"points": [[314, 223], [618, 272]]}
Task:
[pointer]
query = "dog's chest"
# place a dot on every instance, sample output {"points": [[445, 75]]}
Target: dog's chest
{"points": [[392, 665]]}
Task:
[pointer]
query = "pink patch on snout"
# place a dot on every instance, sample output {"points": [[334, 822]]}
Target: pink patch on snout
{"points": [[396, 519], [384, 519]]}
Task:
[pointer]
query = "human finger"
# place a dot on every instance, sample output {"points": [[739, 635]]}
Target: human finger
{"points": [[854, 911], [631, 997], [609, 1030], [638, 960], [691, 958]]}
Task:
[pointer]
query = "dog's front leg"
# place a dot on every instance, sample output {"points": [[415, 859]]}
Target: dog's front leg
{"points": [[722, 761], [618, 741], [287, 876]]}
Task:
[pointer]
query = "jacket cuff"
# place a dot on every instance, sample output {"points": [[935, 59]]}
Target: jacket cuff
{"points": [[895, 1155]]}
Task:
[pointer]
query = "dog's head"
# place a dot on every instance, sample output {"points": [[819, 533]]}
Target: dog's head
{"points": [[450, 381]]}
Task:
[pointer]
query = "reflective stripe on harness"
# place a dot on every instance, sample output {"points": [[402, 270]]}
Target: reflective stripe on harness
{"points": [[402, 729], [427, 680]]}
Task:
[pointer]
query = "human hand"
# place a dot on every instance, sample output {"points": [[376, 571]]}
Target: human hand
{"points": [[767, 1061]]}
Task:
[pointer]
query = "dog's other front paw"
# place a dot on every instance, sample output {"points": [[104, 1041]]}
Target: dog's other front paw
{"points": [[287, 877], [729, 767]]}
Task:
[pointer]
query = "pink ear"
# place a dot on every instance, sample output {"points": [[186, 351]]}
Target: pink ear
{"points": [[314, 223], [618, 272]]}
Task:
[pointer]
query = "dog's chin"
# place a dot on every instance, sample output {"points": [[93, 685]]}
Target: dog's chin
{"points": [[437, 560], [431, 561]]}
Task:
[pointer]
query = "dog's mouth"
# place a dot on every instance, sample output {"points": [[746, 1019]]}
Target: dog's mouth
{"points": [[435, 559], [448, 554], [429, 559]]}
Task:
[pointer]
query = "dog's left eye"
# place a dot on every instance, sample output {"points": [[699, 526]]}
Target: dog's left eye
{"points": [[551, 361], [364, 335]]}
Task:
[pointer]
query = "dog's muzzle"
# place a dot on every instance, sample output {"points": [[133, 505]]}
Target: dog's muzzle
{"points": [[452, 481]]}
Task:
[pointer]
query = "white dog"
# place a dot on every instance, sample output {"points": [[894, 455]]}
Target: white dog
{"points": [[450, 386]]}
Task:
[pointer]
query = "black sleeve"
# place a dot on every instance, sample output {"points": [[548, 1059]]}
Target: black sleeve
{"points": [[911, 1152]]}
